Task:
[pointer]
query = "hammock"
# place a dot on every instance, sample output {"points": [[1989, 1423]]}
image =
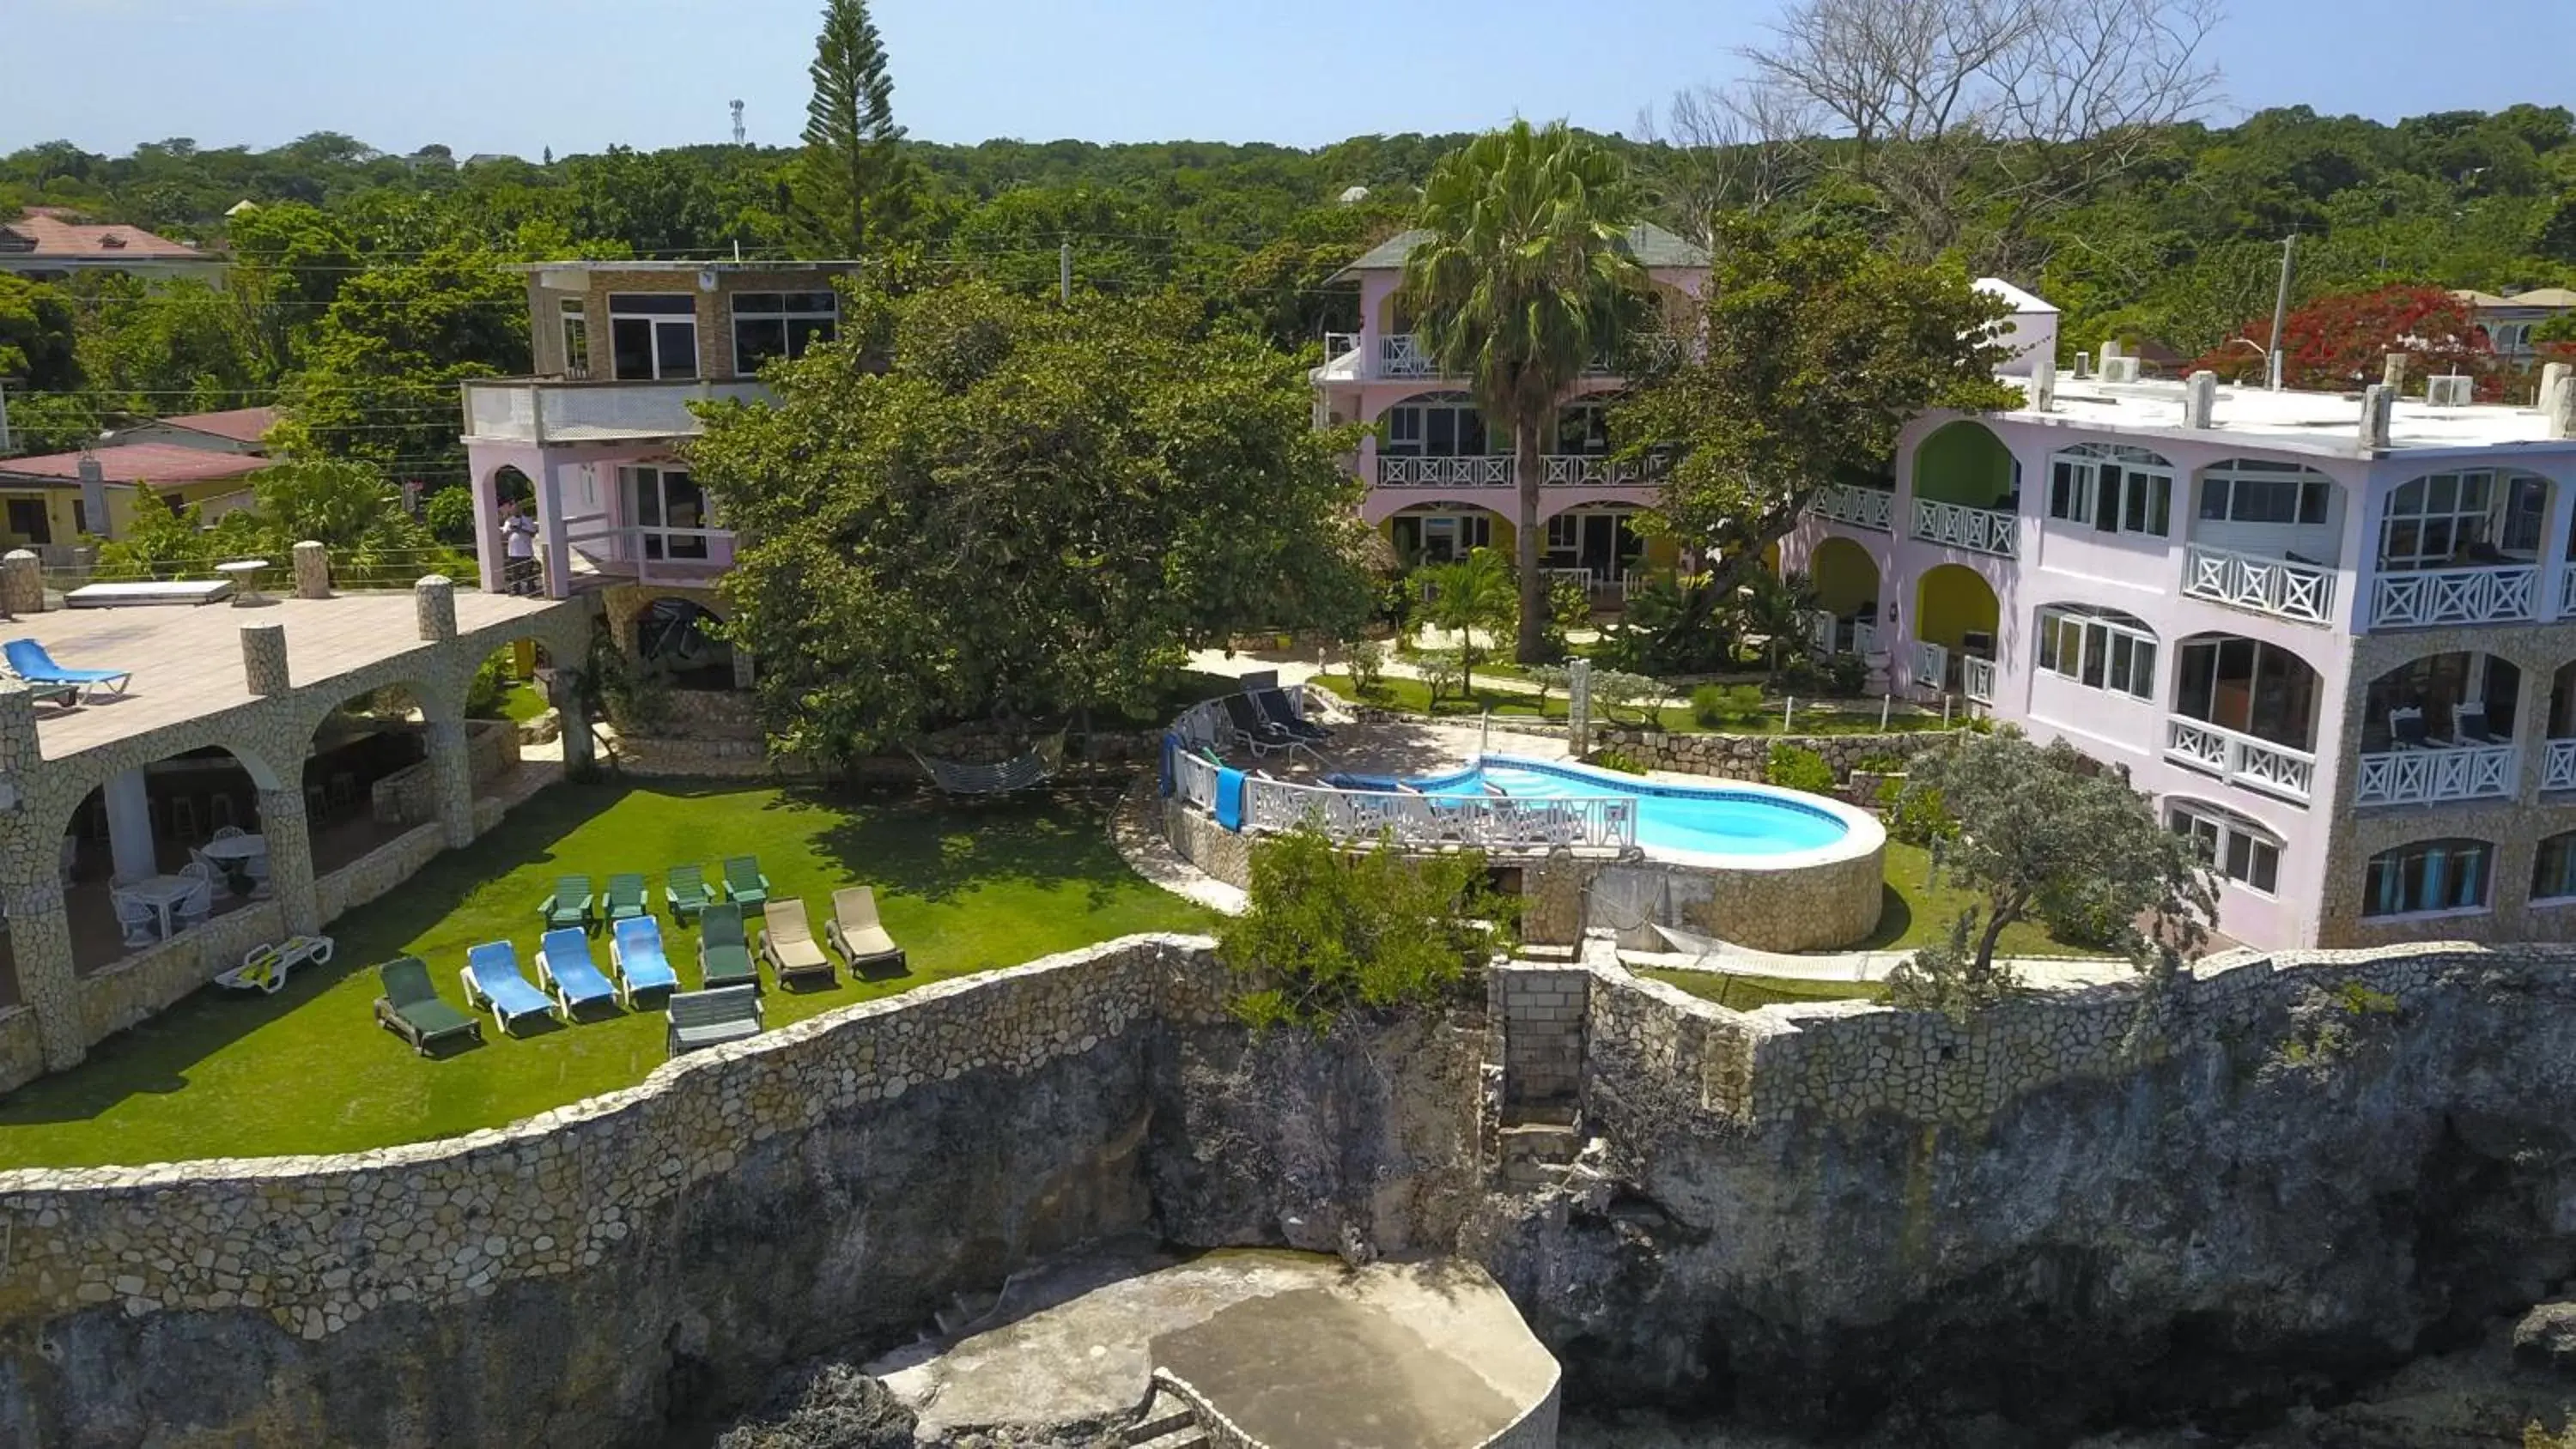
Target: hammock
{"points": [[1033, 765]]}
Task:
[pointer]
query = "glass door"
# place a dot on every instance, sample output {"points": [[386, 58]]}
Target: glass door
{"points": [[659, 500]]}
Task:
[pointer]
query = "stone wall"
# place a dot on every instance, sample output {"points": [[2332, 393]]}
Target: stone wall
{"points": [[409, 796], [22, 1048], [1817, 907], [1747, 757], [1542, 1014]]}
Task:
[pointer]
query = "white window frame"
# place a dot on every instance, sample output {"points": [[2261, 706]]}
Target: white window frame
{"points": [[574, 316], [2485, 878], [2222, 835], [2141, 484], [2490, 520], [2231, 483], [785, 318], [1408, 426], [2540, 853], [2107, 646], [659, 319]]}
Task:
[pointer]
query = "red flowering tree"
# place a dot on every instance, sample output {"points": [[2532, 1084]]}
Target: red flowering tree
{"points": [[2339, 342]]}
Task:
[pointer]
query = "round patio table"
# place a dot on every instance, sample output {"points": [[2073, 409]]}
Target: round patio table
{"points": [[234, 853], [244, 573]]}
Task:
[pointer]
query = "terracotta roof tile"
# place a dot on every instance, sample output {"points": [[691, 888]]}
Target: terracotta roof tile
{"points": [[134, 463], [45, 232]]}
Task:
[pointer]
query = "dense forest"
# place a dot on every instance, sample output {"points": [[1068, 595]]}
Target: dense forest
{"points": [[366, 284]]}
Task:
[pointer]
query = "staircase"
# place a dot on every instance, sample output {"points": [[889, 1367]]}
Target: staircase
{"points": [[1166, 1423], [1539, 1143]]}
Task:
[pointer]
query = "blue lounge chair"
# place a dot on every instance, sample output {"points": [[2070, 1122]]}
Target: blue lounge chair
{"points": [[565, 967], [491, 979], [29, 661], [636, 950]]}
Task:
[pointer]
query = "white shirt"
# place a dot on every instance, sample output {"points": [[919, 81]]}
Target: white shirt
{"points": [[520, 537]]}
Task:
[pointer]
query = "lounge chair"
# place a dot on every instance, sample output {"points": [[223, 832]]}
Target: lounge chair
{"points": [[2469, 725], [1277, 709], [2406, 728], [858, 935], [744, 884], [712, 1017], [28, 660], [492, 981], [569, 906], [625, 899], [410, 1007], [787, 943], [635, 949], [1251, 729], [684, 888], [724, 958], [564, 968]]}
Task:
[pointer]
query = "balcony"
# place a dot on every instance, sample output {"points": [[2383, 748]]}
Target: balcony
{"points": [[1977, 678], [2428, 598], [1978, 530], [1348, 356], [2239, 759], [540, 410], [1502, 470], [2558, 767], [2437, 775], [1870, 508], [1572, 470], [2283, 588]]}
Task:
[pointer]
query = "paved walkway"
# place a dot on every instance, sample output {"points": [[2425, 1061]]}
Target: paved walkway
{"points": [[2049, 973]]}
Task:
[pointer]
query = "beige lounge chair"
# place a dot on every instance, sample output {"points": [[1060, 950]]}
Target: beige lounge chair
{"points": [[787, 942], [856, 933]]}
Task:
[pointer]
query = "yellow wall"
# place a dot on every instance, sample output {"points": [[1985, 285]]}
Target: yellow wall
{"points": [[1662, 555], [1951, 603], [1844, 575], [1963, 463]]}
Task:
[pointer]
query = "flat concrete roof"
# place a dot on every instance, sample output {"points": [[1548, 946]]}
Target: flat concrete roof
{"points": [[187, 660], [2310, 422]]}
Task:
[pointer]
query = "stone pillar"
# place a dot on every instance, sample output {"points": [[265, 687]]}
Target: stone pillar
{"points": [[451, 772], [1578, 707], [129, 827], [743, 677], [290, 858], [565, 695], [40, 942], [22, 582], [312, 570], [434, 603], [264, 659]]}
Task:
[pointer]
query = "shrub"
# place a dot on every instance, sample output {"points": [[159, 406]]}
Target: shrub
{"points": [[449, 512], [1328, 932], [1915, 817], [487, 697], [1716, 706], [1617, 690], [1792, 768], [1548, 678], [1368, 667], [1618, 760], [2083, 918], [1444, 672], [1846, 676], [1569, 607]]}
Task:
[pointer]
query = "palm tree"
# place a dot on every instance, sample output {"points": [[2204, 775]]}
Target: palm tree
{"points": [[1472, 594], [1525, 275]]}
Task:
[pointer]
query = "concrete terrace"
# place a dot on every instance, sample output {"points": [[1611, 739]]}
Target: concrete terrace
{"points": [[187, 661]]}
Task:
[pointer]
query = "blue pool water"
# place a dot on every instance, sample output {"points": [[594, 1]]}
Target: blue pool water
{"points": [[1703, 820]]}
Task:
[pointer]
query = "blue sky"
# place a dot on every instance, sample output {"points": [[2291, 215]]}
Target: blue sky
{"points": [[521, 75]]}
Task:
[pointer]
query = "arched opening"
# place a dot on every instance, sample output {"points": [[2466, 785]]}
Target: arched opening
{"points": [[2240, 849], [514, 500], [2440, 728], [2108, 488], [2268, 537], [2461, 547], [1436, 533], [675, 640], [2098, 648], [1956, 618], [1595, 546], [1846, 581], [1966, 464], [2245, 711], [2451, 874], [366, 777], [2559, 768], [159, 850]]}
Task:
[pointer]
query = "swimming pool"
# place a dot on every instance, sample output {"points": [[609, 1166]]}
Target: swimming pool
{"points": [[1736, 822]]}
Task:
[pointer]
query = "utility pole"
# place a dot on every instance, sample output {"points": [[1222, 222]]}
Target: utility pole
{"points": [[4, 418], [1064, 274], [2281, 305]]}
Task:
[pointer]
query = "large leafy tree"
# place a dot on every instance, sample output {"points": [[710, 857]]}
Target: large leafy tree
{"points": [[854, 184], [2049, 831], [1811, 355], [1524, 277], [981, 506], [2342, 341]]}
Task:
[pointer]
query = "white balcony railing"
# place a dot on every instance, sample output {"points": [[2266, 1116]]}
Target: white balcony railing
{"points": [[2430, 776], [1978, 530], [1822, 630], [2274, 586], [1571, 470], [1403, 354], [2567, 593], [1493, 470], [533, 411], [1864, 638], [2558, 767], [2239, 759], [1416, 819], [1979, 679], [1931, 666], [2490, 595], [1873, 508]]}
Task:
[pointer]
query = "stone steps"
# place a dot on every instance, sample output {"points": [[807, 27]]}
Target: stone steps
{"points": [[1167, 1423]]}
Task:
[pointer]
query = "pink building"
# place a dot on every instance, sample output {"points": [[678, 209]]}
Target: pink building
{"points": [[2338, 648], [1442, 480]]}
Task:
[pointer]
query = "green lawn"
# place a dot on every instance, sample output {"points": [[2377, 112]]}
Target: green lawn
{"points": [[964, 889], [522, 702], [1745, 993], [1916, 915], [1747, 718]]}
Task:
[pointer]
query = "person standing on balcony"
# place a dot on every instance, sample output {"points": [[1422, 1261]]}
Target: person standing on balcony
{"points": [[519, 545]]}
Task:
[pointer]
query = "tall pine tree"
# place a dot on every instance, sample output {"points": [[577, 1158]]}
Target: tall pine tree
{"points": [[854, 185]]}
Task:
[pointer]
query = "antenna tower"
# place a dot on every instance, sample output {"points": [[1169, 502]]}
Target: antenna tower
{"points": [[737, 122]]}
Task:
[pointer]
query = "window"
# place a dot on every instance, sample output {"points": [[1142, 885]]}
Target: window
{"points": [[576, 338], [1582, 428], [2432, 875], [2099, 649], [768, 325], [653, 335], [2553, 875], [2252, 688], [1437, 427], [669, 511], [2234, 846], [2441, 686], [2463, 518], [28, 522], [2115, 489], [1564, 533], [2250, 491], [1441, 537]]}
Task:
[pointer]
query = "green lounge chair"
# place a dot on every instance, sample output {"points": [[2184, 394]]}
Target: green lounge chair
{"points": [[724, 956], [712, 1018], [569, 906], [744, 884], [686, 890], [410, 1007], [625, 898]]}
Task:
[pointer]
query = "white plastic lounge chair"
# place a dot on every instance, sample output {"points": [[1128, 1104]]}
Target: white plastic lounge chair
{"points": [[564, 968], [491, 979]]}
